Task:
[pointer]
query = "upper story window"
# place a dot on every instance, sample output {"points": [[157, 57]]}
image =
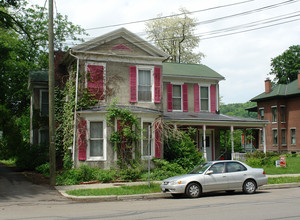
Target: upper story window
{"points": [[275, 138], [177, 101], [44, 102], [144, 85], [283, 136], [293, 136], [204, 98], [262, 113], [282, 113], [274, 114]]}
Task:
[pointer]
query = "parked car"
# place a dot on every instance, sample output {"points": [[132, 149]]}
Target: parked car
{"points": [[223, 175]]}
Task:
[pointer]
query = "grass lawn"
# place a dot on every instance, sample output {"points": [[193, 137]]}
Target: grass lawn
{"points": [[123, 190], [279, 180], [292, 166]]}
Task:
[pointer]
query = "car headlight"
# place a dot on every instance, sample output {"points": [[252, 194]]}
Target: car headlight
{"points": [[175, 182]]}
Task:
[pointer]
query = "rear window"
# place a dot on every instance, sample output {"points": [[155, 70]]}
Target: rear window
{"points": [[235, 167]]}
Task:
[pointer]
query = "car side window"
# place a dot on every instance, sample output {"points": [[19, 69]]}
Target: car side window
{"points": [[235, 167], [218, 168]]}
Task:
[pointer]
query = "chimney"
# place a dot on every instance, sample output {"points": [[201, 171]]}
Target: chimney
{"points": [[299, 79], [268, 85]]}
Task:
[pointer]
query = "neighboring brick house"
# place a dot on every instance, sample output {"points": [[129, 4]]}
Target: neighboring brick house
{"points": [[280, 105], [121, 64]]}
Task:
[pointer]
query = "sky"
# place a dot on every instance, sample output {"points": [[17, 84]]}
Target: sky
{"points": [[243, 58]]}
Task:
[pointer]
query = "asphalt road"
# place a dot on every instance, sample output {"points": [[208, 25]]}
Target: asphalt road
{"points": [[19, 199]]}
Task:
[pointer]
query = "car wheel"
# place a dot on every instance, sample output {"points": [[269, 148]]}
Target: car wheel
{"points": [[249, 187], [193, 190]]}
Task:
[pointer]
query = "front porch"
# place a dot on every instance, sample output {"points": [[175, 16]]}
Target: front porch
{"points": [[211, 128]]}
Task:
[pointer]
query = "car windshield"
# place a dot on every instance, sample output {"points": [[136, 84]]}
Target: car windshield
{"points": [[200, 169]]}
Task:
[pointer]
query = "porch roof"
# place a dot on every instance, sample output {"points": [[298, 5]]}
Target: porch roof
{"points": [[207, 118]]}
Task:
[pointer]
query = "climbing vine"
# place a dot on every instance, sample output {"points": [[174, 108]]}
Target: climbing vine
{"points": [[125, 138]]}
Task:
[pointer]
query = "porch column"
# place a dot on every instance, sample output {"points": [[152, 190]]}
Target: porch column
{"points": [[264, 138], [204, 142], [232, 145]]}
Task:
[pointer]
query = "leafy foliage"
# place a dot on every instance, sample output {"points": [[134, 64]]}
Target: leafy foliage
{"points": [[175, 36], [165, 169], [285, 67], [239, 110]]}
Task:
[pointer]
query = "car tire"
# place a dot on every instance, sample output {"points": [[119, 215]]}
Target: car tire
{"points": [[193, 190], [249, 187]]}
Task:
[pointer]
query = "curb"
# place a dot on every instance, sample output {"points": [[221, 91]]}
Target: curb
{"points": [[155, 195]]}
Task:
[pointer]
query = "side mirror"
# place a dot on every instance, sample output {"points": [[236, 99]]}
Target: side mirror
{"points": [[209, 172]]}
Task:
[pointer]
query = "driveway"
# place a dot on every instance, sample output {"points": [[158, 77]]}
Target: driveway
{"points": [[15, 188]]}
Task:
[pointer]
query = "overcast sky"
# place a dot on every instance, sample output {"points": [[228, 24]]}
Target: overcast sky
{"points": [[243, 59]]}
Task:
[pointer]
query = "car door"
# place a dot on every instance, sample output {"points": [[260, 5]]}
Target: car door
{"points": [[216, 180], [236, 175]]}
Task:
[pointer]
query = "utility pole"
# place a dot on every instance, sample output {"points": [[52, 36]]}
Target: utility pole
{"points": [[51, 98]]}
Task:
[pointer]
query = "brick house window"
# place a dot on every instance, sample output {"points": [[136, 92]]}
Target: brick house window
{"points": [[274, 114], [293, 136], [44, 102], [282, 113], [262, 136], [262, 113], [283, 136], [275, 138]]}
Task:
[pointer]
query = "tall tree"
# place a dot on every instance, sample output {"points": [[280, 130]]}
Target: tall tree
{"points": [[286, 66], [176, 36]]}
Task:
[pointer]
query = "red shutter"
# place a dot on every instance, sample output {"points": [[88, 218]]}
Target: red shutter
{"points": [[196, 98], [95, 81], [157, 140], [157, 84], [213, 98], [185, 97], [170, 97], [82, 142], [132, 84]]}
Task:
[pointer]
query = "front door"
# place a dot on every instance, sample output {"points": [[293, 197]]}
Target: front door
{"points": [[209, 146]]}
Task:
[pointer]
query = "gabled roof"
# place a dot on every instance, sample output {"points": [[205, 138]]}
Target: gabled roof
{"points": [[190, 70], [123, 33], [280, 90]]}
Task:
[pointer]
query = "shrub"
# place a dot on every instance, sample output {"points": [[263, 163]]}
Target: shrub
{"points": [[259, 159], [165, 169], [44, 169], [131, 174], [106, 175]]}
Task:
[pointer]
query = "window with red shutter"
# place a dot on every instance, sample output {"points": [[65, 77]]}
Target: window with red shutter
{"points": [[169, 97], [82, 140], [132, 84], [185, 97], [95, 81], [196, 98], [157, 84], [213, 98], [157, 140]]}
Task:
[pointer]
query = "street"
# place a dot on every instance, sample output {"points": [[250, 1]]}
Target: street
{"points": [[20, 199]]}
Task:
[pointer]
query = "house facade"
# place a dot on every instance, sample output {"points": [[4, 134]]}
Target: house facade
{"points": [[280, 105], [122, 65]]}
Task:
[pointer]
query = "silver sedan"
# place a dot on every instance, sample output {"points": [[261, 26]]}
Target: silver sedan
{"points": [[228, 175]]}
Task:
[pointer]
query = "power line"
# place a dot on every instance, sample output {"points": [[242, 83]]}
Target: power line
{"points": [[168, 16]]}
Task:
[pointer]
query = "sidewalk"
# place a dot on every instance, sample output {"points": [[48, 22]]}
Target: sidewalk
{"points": [[62, 190]]}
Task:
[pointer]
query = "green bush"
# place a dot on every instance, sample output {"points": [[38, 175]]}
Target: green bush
{"points": [[260, 159], [165, 169], [131, 174], [44, 169], [106, 175]]}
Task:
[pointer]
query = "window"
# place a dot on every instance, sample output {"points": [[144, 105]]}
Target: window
{"points": [[275, 142], [204, 98], [283, 136], [177, 103], [293, 136], [44, 136], [218, 168], [96, 140], [44, 103], [274, 114], [262, 113], [146, 147], [144, 85], [262, 136], [282, 113], [235, 167]]}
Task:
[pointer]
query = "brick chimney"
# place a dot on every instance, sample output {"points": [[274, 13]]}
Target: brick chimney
{"points": [[268, 85]]}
